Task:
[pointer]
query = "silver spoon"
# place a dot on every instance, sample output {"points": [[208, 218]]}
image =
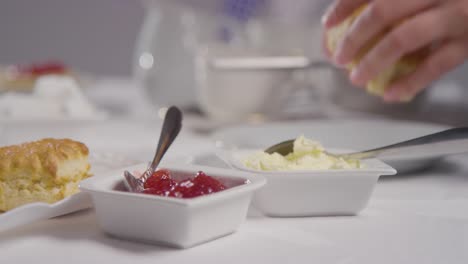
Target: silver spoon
{"points": [[170, 129], [451, 141]]}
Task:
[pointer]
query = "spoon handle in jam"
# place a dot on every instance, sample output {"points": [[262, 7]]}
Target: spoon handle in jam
{"points": [[171, 127]]}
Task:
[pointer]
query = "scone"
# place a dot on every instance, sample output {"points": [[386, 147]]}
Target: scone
{"points": [[377, 86], [47, 171]]}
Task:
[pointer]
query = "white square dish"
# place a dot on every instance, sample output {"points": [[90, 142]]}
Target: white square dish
{"points": [[176, 222], [312, 192]]}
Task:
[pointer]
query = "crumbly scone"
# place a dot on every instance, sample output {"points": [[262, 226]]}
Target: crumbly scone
{"points": [[47, 170], [402, 67]]}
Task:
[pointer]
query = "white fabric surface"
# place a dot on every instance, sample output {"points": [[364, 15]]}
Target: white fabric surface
{"points": [[421, 218], [416, 218]]}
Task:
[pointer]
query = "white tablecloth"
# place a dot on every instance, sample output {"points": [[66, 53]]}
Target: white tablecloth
{"points": [[416, 218], [410, 219]]}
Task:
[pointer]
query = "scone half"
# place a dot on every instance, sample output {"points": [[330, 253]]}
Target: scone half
{"points": [[47, 171]]}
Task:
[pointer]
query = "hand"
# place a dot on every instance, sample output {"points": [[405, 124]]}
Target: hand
{"points": [[423, 23]]}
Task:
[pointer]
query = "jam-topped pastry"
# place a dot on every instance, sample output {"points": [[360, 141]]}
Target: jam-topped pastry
{"points": [[23, 77], [161, 183]]}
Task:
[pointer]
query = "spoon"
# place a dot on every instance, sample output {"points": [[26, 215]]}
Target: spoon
{"points": [[451, 141], [171, 127]]}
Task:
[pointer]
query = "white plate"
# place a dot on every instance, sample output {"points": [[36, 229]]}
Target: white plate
{"points": [[33, 212], [342, 134], [112, 144], [100, 163]]}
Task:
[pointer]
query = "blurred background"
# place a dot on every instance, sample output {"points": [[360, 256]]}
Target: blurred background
{"points": [[222, 61], [94, 36]]}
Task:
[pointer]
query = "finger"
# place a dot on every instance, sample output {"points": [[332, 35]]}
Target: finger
{"points": [[410, 36], [445, 58], [375, 19], [339, 10], [325, 48]]}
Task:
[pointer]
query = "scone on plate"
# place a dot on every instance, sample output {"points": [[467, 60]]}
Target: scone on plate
{"points": [[402, 67], [47, 171], [21, 78]]}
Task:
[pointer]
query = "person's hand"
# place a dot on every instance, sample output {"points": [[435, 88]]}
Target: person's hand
{"points": [[440, 23]]}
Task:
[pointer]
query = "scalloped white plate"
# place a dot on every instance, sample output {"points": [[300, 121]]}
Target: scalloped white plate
{"points": [[33, 212], [100, 162]]}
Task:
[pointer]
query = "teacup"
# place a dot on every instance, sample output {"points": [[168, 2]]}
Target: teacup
{"points": [[235, 85]]}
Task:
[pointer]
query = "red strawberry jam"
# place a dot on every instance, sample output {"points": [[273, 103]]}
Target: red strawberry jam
{"points": [[51, 67], [207, 184], [160, 179], [161, 183]]}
